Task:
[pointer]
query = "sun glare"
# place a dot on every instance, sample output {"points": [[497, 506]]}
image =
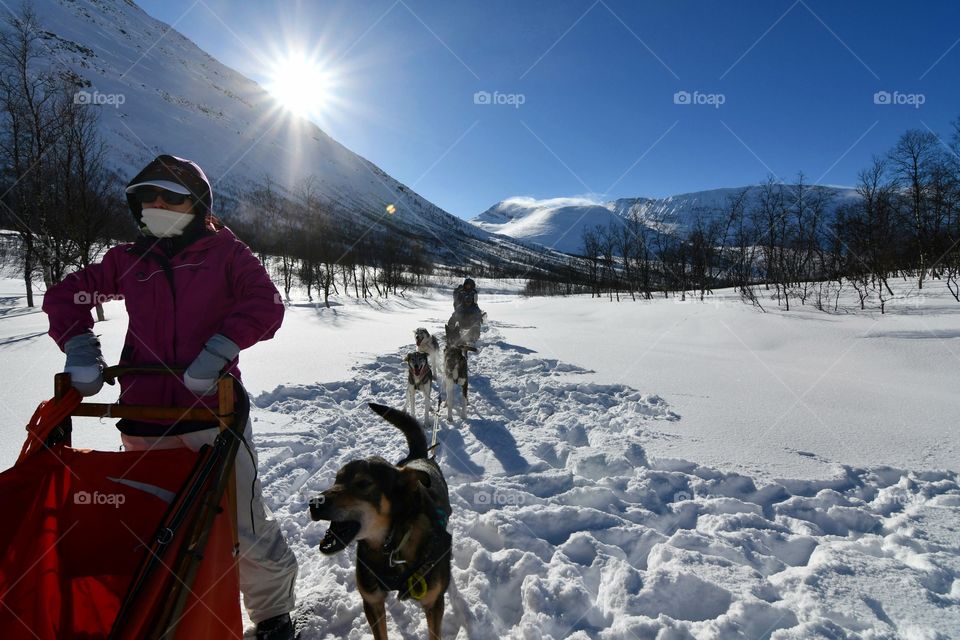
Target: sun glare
{"points": [[300, 84]]}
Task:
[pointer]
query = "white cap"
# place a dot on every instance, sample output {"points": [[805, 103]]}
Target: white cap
{"points": [[163, 184]]}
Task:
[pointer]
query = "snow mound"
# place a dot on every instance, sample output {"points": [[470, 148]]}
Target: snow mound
{"points": [[563, 528]]}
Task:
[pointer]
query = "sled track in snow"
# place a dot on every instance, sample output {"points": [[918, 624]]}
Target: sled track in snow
{"points": [[564, 528]]}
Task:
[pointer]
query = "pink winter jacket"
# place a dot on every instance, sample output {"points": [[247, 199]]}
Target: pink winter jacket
{"points": [[214, 285]]}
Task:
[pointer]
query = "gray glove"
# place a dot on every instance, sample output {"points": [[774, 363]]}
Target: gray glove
{"points": [[85, 363], [201, 376]]}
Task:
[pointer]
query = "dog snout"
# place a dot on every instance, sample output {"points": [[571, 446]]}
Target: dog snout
{"points": [[324, 506], [318, 508]]}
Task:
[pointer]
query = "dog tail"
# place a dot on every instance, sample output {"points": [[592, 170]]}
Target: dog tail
{"points": [[416, 441]]}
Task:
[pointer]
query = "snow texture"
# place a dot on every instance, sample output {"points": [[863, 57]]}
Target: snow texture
{"points": [[565, 528]]}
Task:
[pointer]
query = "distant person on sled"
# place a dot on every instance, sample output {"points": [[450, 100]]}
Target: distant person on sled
{"points": [[464, 325], [195, 296]]}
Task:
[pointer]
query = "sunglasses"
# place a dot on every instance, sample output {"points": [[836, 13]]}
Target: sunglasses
{"points": [[152, 194]]}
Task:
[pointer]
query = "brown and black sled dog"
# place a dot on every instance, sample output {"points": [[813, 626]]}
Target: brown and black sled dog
{"points": [[398, 516]]}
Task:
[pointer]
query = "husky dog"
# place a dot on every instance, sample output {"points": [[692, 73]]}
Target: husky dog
{"points": [[398, 516], [419, 378], [455, 375], [429, 345]]}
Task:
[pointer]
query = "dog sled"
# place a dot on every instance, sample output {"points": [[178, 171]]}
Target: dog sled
{"points": [[121, 545]]}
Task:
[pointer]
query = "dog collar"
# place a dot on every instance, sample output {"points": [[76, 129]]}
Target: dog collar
{"points": [[412, 583]]}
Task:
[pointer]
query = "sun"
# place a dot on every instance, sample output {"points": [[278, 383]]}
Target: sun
{"points": [[300, 84]]}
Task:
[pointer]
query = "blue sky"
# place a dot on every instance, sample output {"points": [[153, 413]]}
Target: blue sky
{"points": [[772, 87]]}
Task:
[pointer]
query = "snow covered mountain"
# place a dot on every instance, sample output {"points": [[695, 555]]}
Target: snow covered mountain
{"points": [[158, 92], [559, 223]]}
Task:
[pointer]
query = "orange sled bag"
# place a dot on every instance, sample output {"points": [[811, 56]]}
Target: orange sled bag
{"points": [[87, 535]]}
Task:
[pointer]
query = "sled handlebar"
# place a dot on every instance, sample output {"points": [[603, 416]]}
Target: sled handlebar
{"points": [[222, 416], [114, 373]]}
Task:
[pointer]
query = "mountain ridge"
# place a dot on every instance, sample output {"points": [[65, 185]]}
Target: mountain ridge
{"points": [[559, 223]]}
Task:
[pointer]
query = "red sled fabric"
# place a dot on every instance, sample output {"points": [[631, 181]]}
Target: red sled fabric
{"points": [[76, 525]]}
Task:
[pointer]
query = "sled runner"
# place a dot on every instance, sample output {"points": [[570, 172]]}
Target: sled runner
{"points": [[121, 545]]}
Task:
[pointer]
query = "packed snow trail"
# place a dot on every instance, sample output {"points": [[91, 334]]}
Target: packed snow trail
{"points": [[564, 529]]}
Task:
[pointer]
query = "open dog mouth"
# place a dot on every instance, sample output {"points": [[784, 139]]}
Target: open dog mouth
{"points": [[338, 536]]}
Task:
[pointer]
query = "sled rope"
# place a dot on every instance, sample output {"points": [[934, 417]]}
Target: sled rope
{"points": [[436, 423], [49, 415]]}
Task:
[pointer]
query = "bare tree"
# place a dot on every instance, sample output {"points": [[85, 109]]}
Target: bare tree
{"points": [[591, 251], [911, 162], [609, 274], [951, 257], [29, 129], [769, 217]]}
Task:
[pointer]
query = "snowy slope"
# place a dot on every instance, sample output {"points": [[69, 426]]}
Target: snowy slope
{"points": [[682, 210], [158, 92], [633, 470], [559, 223], [176, 97]]}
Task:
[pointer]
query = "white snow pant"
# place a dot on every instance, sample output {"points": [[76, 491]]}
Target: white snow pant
{"points": [[268, 569]]}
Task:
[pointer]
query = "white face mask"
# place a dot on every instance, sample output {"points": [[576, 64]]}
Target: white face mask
{"points": [[165, 224]]}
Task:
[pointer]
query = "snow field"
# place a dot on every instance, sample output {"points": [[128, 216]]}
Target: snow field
{"points": [[563, 527]]}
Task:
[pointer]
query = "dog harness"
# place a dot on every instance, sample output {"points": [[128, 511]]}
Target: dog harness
{"points": [[421, 376], [412, 583]]}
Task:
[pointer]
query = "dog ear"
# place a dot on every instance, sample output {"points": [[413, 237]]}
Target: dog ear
{"points": [[407, 358], [412, 477], [405, 497]]}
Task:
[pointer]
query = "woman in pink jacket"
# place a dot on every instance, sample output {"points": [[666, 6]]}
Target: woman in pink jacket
{"points": [[196, 296]]}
